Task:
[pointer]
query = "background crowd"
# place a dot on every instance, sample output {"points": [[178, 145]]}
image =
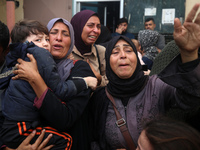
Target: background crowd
{"points": [[62, 88]]}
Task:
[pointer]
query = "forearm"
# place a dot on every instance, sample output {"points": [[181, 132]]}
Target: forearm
{"points": [[38, 84]]}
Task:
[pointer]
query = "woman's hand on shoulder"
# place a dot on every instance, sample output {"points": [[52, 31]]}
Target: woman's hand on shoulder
{"points": [[26, 70]]}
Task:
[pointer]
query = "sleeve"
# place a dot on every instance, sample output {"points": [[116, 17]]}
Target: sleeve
{"points": [[66, 113], [161, 42], [115, 34], [63, 115], [186, 81], [48, 70]]}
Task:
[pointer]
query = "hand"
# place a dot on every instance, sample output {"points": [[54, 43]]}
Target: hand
{"points": [[26, 70], [187, 36], [147, 72], [25, 145], [119, 29], [98, 76], [91, 82]]}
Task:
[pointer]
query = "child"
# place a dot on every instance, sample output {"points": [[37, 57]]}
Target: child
{"points": [[21, 117], [148, 40]]}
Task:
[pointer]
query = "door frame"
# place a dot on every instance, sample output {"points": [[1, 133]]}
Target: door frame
{"points": [[76, 5]]}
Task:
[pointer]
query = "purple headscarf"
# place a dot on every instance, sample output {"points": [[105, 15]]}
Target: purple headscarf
{"points": [[64, 65], [78, 22]]}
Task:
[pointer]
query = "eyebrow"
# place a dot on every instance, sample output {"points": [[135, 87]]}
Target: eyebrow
{"points": [[61, 30], [123, 45]]}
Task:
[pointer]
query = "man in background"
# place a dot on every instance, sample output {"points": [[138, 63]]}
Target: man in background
{"points": [[121, 29], [150, 25]]}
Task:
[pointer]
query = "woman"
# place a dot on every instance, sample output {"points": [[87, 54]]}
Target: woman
{"points": [[165, 133], [140, 98], [87, 29], [72, 116]]}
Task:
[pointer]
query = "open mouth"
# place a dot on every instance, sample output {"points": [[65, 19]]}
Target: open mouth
{"points": [[57, 46]]}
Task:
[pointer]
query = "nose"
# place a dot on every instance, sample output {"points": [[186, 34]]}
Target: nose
{"points": [[59, 37], [122, 54], [97, 30], [45, 43]]}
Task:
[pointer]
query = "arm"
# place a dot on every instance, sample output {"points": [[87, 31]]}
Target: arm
{"points": [[28, 71], [67, 115], [160, 43], [183, 71]]}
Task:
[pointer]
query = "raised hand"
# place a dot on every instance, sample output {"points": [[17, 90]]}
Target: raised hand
{"points": [[187, 36]]}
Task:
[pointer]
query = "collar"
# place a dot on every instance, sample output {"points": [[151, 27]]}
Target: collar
{"points": [[93, 52]]}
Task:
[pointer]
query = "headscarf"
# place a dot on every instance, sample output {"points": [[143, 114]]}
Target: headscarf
{"points": [[124, 87], [78, 22], [148, 40], [64, 65]]}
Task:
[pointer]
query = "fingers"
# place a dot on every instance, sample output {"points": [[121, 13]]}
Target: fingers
{"points": [[44, 143], [192, 13], [177, 25], [19, 60], [40, 138], [197, 20], [30, 56], [29, 138]]}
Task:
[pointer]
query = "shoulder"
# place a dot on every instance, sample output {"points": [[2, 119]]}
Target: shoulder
{"points": [[100, 48], [81, 69], [130, 35]]}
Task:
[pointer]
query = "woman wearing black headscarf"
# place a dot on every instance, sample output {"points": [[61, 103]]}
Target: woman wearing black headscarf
{"points": [[87, 29], [140, 98]]}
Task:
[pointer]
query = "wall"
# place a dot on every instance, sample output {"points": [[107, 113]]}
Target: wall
{"points": [[45, 10], [19, 12], [135, 13], [189, 4]]}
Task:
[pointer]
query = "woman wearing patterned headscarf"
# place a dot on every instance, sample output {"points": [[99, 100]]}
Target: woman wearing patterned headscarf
{"points": [[148, 40], [139, 98], [87, 29]]}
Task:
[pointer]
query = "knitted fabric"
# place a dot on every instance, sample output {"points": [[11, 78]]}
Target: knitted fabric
{"points": [[169, 52]]}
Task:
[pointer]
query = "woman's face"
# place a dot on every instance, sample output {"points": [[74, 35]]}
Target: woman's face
{"points": [[60, 41], [91, 30], [143, 142], [123, 60]]}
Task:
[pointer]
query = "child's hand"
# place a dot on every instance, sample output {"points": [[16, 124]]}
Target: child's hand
{"points": [[91, 82]]}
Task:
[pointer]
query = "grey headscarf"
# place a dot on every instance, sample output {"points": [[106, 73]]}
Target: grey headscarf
{"points": [[64, 65]]}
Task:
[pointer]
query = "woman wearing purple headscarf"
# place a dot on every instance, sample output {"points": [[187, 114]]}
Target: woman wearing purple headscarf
{"points": [[87, 29]]}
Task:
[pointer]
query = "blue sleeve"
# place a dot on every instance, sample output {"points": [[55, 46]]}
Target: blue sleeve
{"points": [[115, 34]]}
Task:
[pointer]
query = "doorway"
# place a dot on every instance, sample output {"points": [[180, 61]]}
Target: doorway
{"points": [[109, 11]]}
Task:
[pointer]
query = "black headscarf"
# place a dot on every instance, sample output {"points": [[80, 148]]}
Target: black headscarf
{"points": [[124, 87]]}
